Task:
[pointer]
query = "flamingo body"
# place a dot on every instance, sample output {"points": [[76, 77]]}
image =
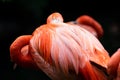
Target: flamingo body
{"points": [[63, 51]]}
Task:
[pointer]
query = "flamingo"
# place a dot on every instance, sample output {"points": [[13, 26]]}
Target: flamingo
{"points": [[66, 50]]}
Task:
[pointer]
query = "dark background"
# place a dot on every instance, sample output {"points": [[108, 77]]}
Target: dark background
{"points": [[18, 17]]}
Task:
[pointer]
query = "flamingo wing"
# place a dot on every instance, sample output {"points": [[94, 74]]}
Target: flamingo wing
{"points": [[67, 49]]}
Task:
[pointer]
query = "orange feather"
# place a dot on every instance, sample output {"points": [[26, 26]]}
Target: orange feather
{"points": [[63, 51]]}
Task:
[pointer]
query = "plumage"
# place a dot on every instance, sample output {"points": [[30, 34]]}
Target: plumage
{"points": [[62, 50], [114, 65]]}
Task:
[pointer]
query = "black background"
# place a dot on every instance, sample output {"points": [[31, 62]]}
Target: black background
{"points": [[18, 17]]}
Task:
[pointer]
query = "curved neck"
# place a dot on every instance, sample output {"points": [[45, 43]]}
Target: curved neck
{"points": [[19, 51]]}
